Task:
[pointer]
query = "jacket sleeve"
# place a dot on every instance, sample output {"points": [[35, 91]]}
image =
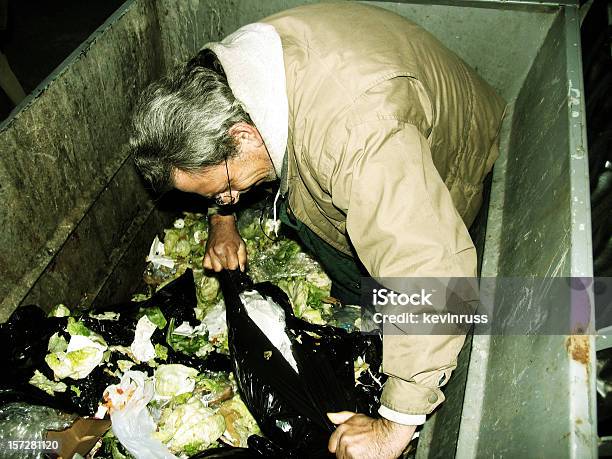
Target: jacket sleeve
{"points": [[402, 222]]}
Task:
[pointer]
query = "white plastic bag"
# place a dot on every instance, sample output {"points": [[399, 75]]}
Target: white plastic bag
{"points": [[132, 423], [270, 318]]}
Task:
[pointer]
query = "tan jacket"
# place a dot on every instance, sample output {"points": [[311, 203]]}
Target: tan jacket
{"points": [[390, 137]]}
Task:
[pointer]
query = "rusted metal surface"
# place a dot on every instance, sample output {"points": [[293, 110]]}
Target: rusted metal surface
{"points": [[579, 349]]}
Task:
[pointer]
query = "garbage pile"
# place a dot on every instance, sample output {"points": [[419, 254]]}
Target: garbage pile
{"points": [[160, 365], [279, 260]]}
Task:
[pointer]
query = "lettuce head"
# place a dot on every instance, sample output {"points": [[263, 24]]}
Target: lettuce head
{"points": [[190, 427], [174, 379], [239, 422], [83, 353]]}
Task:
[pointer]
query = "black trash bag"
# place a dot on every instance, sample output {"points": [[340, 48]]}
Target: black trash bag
{"points": [[291, 408], [225, 451], [25, 336], [177, 299]]}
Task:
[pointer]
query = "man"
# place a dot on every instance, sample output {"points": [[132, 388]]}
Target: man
{"points": [[381, 138]]}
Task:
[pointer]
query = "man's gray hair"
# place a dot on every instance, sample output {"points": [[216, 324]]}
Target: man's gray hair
{"points": [[181, 122]]}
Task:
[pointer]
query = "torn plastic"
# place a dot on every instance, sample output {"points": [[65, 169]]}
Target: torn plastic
{"points": [[291, 408], [270, 319], [24, 422], [132, 422], [157, 254]]}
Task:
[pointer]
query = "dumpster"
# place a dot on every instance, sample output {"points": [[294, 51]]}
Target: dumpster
{"points": [[77, 222]]}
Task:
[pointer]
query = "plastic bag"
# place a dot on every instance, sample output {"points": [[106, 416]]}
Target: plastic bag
{"points": [[21, 421], [290, 407], [228, 451], [133, 423]]}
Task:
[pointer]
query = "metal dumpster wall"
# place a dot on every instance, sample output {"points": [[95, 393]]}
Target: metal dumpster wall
{"points": [[474, 33], [534, 396], [70, 203], [188, 25]]}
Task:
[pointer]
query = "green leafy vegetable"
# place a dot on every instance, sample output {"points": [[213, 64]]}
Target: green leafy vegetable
{"points": [[124, 365], [161, 352], [106, 315], [75, 327], [82, 354], [197, 345], [239, 422], [156, 316], [174, 379], [197, 411], [111, 448], [57, 343], [59, 311], [50, 387], [190, 426]]}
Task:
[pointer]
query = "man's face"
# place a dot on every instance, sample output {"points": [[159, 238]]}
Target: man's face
{"points": [[225, 182], [213, 182]]}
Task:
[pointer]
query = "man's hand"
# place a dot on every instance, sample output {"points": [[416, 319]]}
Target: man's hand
{"points": [[360, 436], [225, 249]]}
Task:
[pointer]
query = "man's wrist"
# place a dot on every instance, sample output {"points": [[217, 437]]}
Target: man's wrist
{"points": [[397, 426], [224, 211], [220, 218], [402, 432]]}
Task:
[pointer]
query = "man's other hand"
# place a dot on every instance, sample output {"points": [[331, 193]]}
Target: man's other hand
{"points": [[360, 436], [225, 249]]}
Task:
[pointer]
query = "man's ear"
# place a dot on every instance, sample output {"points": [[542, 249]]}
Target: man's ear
{"points": [[245, 133]]}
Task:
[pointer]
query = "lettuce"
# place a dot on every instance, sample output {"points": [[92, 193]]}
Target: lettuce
{"points": [[124, 365], [80, 356], [196, 344], [208, 289], [171, 239], [111, 448], [75, 327], [189, 427], [161, 352], [297, 293], [43, 383], [155, 315], [76, 364], [194, 410], [313, 316], [59, 311], [57, 343], [239, 422], [174, 379], [106, 315]]}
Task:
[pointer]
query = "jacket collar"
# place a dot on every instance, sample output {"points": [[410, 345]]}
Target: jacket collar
{"points": [[252, 58]]}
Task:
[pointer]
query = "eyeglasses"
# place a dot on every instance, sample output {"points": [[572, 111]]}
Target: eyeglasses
{"points": [[226, 198]]}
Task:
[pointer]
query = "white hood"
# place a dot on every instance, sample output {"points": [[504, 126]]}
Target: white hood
{"points": [[252, 58]]}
